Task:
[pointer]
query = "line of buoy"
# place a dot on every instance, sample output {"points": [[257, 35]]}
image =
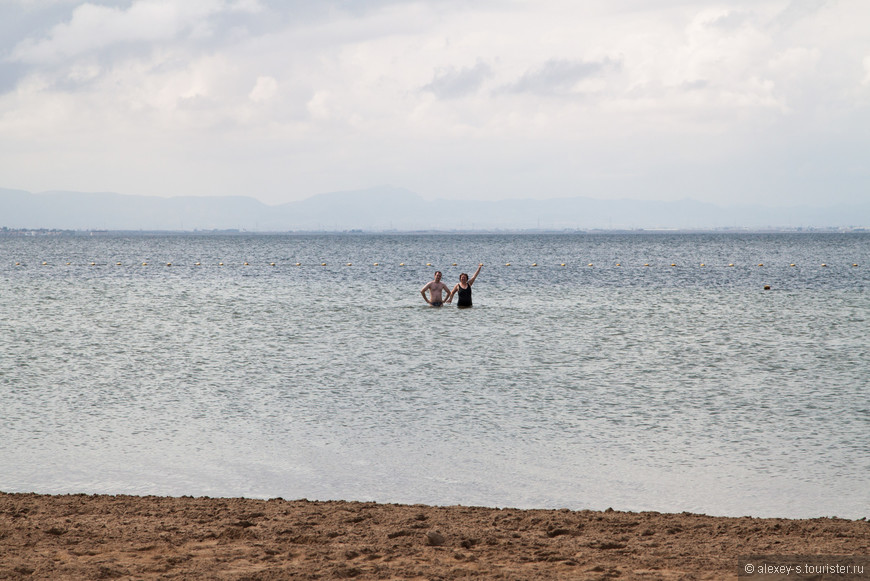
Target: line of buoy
{"points": [[429, 264]]}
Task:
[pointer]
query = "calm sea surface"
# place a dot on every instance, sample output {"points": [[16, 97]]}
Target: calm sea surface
{"points": [[660, 387]]}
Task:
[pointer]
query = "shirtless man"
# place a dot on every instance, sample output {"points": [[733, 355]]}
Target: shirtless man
{"points": [[436, 290]]}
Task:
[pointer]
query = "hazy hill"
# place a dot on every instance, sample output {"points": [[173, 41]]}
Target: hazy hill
{"points": [[390, 208]]}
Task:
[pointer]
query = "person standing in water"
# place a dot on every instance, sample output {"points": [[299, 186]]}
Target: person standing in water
{"points": [[436, 290], [463, 289]]}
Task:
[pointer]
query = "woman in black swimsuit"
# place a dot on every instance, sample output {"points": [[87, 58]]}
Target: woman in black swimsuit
{"points": [[463, 289]]}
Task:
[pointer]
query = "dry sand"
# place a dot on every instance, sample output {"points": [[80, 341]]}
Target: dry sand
{"points": [[112, 537]]}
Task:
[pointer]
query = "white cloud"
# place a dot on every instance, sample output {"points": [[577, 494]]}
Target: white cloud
{"points": [[95, 27], [795, 62], [265, 89], [319, 106]]}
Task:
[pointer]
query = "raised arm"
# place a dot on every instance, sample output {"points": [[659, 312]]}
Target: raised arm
{"points": [[472, 279]]}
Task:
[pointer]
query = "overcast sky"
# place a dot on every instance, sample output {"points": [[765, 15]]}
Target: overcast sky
{"points": [[764, 101]]}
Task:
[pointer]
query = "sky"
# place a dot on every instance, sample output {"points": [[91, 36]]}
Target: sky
{"points": [[732, 102]]}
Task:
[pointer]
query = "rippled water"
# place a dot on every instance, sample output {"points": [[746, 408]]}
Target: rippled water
{"points": [[655, 387]]}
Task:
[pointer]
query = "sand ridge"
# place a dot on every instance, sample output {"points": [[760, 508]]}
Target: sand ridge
{"points": [[118, 537]]}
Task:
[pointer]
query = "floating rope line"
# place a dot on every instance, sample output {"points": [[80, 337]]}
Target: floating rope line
{"points": [[429, 264]]}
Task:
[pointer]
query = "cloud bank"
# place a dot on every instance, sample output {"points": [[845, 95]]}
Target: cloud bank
{"points": [[763, 101]]}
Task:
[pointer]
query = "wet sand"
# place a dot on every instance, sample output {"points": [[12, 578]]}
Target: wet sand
{"points": [[117, 537]]}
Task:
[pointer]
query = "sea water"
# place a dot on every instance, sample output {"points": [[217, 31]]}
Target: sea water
{"points": [[633, 371]]}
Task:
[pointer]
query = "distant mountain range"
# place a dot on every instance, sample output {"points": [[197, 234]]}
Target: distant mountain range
{"points": [[389, 208]]}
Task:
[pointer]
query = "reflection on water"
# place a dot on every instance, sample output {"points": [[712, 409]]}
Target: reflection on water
{"points": [[655, 387]]}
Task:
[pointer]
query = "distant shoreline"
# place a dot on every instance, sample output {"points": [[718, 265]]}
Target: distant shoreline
{"points": [[106, 536], [31, 232], [386, 209]]}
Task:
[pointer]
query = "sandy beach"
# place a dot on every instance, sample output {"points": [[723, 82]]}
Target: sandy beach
{"points": [[116, 537]]}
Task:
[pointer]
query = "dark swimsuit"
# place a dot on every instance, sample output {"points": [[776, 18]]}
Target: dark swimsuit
{"points": [[436, 303], [464, 297]]}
